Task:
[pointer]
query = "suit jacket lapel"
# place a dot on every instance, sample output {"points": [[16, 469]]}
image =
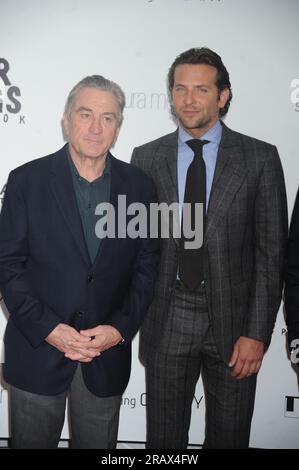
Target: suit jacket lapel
{"points": [[118, 186], [63, 192], [166, 167], [229, 174]]}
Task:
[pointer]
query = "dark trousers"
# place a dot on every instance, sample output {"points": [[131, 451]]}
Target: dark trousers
{"points": [[37, 420], [187, 350]]}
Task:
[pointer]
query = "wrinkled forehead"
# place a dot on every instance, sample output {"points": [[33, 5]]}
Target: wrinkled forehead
{"points": [[96, 100]]}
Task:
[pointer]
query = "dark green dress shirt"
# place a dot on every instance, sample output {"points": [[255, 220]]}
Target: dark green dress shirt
{"points": [[88, 196]]}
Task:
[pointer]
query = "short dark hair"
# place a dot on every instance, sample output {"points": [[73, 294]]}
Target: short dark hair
{"points": [[203, 55]]}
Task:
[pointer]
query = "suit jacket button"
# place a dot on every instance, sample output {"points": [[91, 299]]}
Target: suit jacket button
{"points": [[89, 278]]}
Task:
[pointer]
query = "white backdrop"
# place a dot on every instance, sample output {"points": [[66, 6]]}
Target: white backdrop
{"points": [[49, 46]]}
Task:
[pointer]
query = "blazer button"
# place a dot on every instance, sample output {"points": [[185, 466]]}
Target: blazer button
{"points": [[89, 278]]}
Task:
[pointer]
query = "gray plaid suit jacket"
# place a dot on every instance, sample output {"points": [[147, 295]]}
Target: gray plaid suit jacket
{"points": [[244, 244]]}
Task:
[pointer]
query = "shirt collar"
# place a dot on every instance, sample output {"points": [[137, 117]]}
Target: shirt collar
{"points": [[212, 135]]}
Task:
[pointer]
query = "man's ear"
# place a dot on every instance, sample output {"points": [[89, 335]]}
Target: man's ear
{"points": [[223, 97], [65, 124]]}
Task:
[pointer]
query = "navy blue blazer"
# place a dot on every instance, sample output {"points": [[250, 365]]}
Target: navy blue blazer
{"points": [[46, 276]]}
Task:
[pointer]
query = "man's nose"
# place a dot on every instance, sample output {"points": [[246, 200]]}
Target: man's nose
{"points": [[96, 126], [189, 96]]}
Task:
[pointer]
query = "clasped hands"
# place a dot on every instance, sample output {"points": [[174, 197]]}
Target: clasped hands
{"points": [[85, 345]]}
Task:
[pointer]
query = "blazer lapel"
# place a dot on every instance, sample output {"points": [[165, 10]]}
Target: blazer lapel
{"points": [[118, 186], [230, 172], [167, 178], [63, 192]]}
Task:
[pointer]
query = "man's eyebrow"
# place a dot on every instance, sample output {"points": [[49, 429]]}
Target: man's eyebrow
{"points": [[196, 85], [82, 108]]}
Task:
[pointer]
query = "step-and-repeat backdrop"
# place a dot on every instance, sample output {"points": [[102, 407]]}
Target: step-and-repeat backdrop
{"points": [[46, 47]]}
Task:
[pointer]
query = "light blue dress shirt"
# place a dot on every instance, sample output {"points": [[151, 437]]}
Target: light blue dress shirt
{"points": [[185, 157]]}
